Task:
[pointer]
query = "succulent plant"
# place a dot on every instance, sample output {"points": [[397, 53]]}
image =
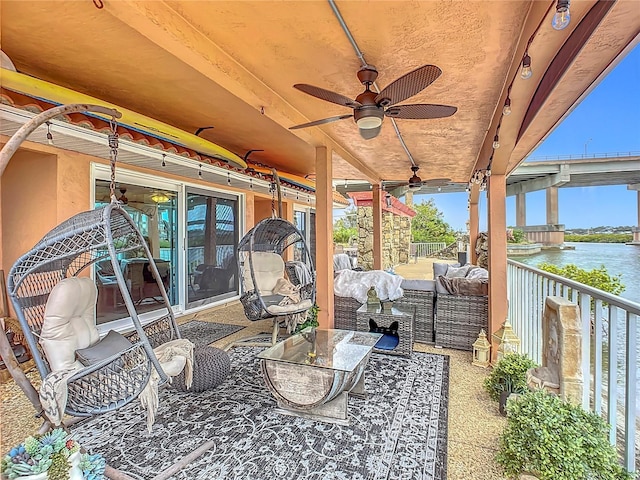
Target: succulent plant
{"points": [[93, 466], [44, 453]]}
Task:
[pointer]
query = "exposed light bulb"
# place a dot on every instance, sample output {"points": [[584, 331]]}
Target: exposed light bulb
{"points": [[163, 162], [526, 71], [251, 184], [562, 17], [228, 178], [496, 142], [200, 171], [506, 110], [439, 189]]}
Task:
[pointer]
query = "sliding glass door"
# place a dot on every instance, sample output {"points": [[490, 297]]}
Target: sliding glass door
{"points": [[211, 241], [154, 211]]}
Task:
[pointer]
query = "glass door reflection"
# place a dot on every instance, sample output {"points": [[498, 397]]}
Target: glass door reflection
{"points": [[212, 238]]}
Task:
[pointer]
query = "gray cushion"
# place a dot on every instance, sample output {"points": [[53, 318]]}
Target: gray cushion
{"points": [[440, 288], [457, 272], [422, 285], [111, 344], [441, 269]]}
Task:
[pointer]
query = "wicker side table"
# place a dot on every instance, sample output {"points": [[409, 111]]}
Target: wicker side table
{"points": [[404, 317]]}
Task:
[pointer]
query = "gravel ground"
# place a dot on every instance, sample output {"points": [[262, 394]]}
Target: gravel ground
{"points": [[474, 421]]}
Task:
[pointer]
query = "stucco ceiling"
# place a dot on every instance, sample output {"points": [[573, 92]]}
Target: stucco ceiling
{"points": [[232, 65]]}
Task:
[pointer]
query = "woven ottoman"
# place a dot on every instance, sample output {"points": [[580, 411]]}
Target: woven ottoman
{"points": [[210, 367]]}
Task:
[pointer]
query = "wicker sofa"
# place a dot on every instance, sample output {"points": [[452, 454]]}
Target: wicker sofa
{"points": [[446, 320]]}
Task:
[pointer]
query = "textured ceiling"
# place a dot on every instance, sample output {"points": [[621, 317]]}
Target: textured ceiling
{"points": [[232, 65]]}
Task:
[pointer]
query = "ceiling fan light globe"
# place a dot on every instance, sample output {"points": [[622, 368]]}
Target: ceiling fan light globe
{"points": [[367, 123]]}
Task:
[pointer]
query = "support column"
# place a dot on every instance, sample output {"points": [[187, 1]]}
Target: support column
{"points": [[249, 211], [552, 206], [377, 227], [154, 233], [498, 303], [474, 227], [324, 237], [521, 209]]}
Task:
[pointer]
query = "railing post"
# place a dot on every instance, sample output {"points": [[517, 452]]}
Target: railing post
{"points": [[585, 314], [612, 378], [631, 393]]}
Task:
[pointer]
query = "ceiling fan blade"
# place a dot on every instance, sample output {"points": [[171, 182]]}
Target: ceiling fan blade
{"points": [[321, 122], [369, 133], [327, 95], [420, 111], [408, 85]]}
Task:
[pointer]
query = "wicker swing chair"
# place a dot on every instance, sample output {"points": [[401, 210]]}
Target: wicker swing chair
{"points": [[262, 266], [66, 252]]}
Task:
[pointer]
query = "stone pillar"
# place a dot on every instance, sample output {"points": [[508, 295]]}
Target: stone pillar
{"points": [[498, 303], [365, 237], [521, 209], [324, 241], [405, 240], [377, 227], [552, 206], [408, 199]]}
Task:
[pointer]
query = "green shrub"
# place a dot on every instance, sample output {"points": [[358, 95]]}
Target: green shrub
{"points": [[515, 235], [311, 319], [509, 375], [598, 277], [556, 440]]}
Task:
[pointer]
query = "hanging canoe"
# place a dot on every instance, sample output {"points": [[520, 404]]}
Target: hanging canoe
{"points": [[51, 93]]}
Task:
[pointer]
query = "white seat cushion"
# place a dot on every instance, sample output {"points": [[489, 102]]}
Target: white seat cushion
{"points": [[69, 322], [290, 308], [268, 268]]}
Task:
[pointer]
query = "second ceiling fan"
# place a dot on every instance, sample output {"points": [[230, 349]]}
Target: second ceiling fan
{"points": [[369, 108]]}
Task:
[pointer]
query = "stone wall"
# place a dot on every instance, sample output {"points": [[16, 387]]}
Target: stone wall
{"points": [[396, 239]]}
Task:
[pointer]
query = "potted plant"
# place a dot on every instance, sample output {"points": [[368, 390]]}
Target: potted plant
{"points": [[52, 456], [311, 319], [552, 439], [507, 377]]}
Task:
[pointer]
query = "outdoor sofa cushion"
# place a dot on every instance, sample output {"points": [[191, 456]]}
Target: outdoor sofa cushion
{"points": [[112, 343]]}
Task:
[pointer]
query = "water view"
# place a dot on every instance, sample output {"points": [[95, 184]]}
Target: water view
{"points": [[618, 258]]}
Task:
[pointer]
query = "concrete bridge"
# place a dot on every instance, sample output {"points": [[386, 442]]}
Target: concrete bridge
{"points": [[563, 172]]}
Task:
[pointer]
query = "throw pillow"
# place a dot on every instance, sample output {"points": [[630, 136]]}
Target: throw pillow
{"points": [[477, 273], [111, 344], [457, 272], [441, 268]]}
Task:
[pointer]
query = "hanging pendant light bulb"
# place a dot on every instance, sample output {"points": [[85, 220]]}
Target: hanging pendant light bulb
{"points": [[251, 184], [163, 162], [200, 171], [526, 71], [562, 17], [49, 136], [496, 142], [228, 178], [506, 110]]}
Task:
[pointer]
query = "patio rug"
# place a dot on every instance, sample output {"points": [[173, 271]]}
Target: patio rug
{"points": [[204, 333], [398, 432]]}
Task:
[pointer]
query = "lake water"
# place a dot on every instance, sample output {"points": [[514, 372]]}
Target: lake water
{"points": [[618, 259]]}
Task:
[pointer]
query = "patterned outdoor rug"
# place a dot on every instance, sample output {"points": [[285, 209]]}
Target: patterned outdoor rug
{"points": [[399, 431], [204, 333]]}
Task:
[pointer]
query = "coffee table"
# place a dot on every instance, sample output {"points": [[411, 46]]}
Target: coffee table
{"points": [[312, 374]]}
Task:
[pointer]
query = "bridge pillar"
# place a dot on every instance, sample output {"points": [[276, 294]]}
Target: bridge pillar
{"points": [[521, 209], [636, 230], [552, 205], [551, 234]]}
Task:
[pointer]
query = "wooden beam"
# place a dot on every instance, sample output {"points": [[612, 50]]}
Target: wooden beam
{"points": [[324, 237]]}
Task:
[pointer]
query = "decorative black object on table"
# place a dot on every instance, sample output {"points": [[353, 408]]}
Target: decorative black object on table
{"points": [[382, 319]]}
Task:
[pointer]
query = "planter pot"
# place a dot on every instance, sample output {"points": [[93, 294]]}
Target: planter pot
{"points": [[74, 472]]}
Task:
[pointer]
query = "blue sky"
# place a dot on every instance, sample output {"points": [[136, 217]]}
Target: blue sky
{"points": [[607, 121]]}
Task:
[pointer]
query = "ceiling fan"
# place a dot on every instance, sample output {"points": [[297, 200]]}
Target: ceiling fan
{"points": [[416, 182], [370, 108]]}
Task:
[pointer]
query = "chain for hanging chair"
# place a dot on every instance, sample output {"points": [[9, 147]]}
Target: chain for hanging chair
{"points": [[272, 189], [113, 157]]}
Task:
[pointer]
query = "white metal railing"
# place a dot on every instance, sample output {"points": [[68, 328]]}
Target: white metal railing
{"points": [[610, 359], [426, 249]]}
